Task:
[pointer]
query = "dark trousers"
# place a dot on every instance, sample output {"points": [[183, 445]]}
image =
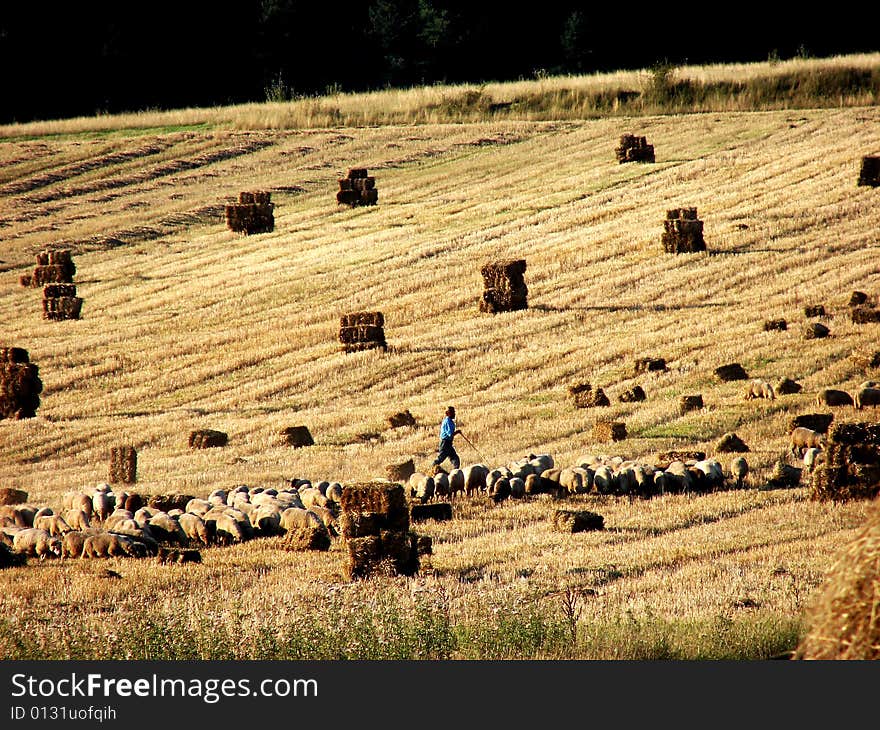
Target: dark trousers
{"points": [[447, 452]]}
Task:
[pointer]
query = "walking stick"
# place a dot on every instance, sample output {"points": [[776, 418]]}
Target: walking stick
{"points": [[482, 458]]}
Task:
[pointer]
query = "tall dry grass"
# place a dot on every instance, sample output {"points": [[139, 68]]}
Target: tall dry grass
{"points": [[840, 81]]}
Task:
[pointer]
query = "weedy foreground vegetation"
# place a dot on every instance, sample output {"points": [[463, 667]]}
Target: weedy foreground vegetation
{"points": [[186, 325]]}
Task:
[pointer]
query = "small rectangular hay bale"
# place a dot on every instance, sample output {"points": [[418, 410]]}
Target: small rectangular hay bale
{"points": [[609, 431], [864, 315], [8, 495], [207, 438], [386, 498], [297, 436], [355, 319], [688, 403], [814, 310], [572, 521], [731, 371], [649, 364], [316, 537], [360, 524]]}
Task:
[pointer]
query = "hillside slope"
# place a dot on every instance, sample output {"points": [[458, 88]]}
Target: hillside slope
{"points": [[187, 325]]}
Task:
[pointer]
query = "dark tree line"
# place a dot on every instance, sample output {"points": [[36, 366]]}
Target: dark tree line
{"points": [[64, 59]]}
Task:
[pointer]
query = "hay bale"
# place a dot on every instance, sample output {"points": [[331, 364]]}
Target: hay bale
{"points": [[633, 395], [440, 511], [667, 457], [400, 472], [609, 431], [316, 537], [20, 384], [423, 544], [841, 619], [787, 386], [634, 149], [297, 436], [814, 310], [386, 499], [360, 524], [688, 403], [493, 301], [8, 495], [123, 465], [14, 355], [731, 443], [818, 422], [62, 308], [585, 396], [355, 319], [731, 371], [362, 556], [857, 298], [784, 476], [207, 438], [403, 418], [25, 280], [771, 325], [53, 291], [869, 174], [10, 559], [572, 521], [682, 231], [174, 556], [356, 173], [815, 330], [864, 314], [649, 364], [167, 502], [362, 333]]}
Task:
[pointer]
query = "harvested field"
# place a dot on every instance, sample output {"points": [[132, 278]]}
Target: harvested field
{"points": [[190, 327]]}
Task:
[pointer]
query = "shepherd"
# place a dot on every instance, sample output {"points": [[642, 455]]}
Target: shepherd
{"points": [[447, 432]]}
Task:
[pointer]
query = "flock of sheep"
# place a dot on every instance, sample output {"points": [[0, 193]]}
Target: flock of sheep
{"points": [[100, 522]]}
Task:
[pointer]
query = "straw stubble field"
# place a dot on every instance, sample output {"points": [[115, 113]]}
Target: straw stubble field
{"points": [[186, 325]]}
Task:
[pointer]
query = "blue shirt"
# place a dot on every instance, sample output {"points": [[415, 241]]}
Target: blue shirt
{"points": [[447, 428]]}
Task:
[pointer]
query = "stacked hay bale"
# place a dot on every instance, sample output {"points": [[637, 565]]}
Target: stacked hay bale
{"points": [[374, 523], [61, 302], [682, 231], [585, 396], [297, 436], [851, 469], [53, 267], [634, 149], [207, 438], [54, 272], [253, 213], [362, 331], [20, 384], [869, 175], [123, 465], [358, 188], [504, 286]]}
